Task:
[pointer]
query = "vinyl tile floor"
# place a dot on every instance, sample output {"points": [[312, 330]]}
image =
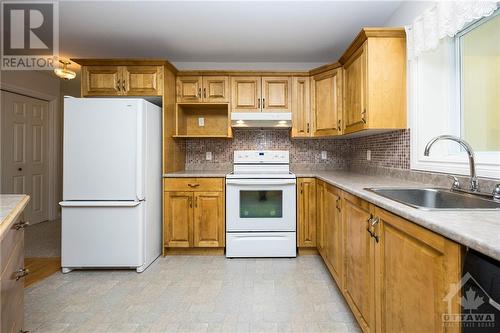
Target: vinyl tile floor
{"points": [[193, 294]]}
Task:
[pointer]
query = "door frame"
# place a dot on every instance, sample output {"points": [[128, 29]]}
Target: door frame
{"points": [[55, 128]]}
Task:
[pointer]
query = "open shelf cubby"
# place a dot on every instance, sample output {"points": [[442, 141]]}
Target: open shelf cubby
{"points": [[216, 119]]}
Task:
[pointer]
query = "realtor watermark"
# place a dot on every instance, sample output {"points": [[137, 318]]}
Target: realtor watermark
{"points": [[30, 35], [477, 307]]}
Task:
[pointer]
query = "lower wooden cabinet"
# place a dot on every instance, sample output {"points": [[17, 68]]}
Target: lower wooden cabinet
{"points": [[306, 212], [394, 274], [359, 283], [193, 217], [333, 231], [415, 269]]}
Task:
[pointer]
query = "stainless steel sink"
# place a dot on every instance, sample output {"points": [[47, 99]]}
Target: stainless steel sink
{"points": [[435, 198]]}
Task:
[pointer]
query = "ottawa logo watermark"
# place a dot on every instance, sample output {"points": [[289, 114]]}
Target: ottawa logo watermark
{"points": [[30, 35], [478, 309]]}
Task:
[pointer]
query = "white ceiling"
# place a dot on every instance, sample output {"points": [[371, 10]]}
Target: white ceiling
{"points": [[238, 32]]}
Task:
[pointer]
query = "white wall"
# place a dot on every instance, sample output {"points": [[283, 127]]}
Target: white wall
{"points": [[406, 12], [257, 66], [43, 85]]}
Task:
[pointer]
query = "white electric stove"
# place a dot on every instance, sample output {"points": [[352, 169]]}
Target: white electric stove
{"points": [[261, 205]]}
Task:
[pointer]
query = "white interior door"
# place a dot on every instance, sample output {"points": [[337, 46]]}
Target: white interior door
{"points": [[24, 151]]}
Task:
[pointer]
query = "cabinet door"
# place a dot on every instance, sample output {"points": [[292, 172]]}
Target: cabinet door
{"points": [[178, 219], [301, 107], [189, 89], [333, 231], [416, 268], [102, 81], [306, 212], [215, 89], [276, 94], [143, 80], [208, 219], [320, 218], [328, 103], [246, 93], [355, 116], [359, 261]]}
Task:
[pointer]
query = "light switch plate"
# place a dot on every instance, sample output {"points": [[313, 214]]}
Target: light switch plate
{"points": [[208, 156], [201, 121], [324, 155], [369, 155]]}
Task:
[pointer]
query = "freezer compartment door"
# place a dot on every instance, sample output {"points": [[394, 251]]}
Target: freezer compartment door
{"points": [[260, 244], [108, 234], [102, 149]]}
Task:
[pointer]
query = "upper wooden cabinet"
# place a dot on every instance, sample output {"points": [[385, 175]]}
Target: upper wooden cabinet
{"points": [[122, 80], [301, 107], [245, 93], [327, 103], [277, 94], [261, 94], [203, 89], [375, 81], [306, 212]]}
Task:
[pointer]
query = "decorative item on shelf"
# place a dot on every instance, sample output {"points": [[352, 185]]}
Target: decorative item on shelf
{"points": [[65, 73]]}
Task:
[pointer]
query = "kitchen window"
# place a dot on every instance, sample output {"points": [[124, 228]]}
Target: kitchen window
{"points": [[455, 89]]}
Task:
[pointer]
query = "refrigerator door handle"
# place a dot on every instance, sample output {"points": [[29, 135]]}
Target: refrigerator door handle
{"points": [[99, 203]]}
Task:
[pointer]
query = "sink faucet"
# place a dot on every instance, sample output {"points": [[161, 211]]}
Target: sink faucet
{"points": [[474, 183]]}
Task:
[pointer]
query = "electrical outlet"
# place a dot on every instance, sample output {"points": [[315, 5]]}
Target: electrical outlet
{"points": [[324, 155], [368, 155], [201, 121], [208, 156]]}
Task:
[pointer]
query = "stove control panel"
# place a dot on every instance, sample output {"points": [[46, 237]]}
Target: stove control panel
{"points": [[262, 156]]}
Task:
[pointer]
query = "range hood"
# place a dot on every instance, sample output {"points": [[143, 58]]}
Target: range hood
{"points": [[261, 119]]}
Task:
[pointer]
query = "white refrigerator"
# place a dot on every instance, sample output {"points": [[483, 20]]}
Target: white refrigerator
{"points": [[111, 208]]}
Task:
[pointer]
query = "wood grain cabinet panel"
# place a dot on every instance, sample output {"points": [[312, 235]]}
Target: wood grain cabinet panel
{"points": [[359, 284], [327, 103], [143, 80], [101, 81], [320, 218], [333, 230], [306, 212], [276, 94], [301, 107], [189, 89], [215, 89], [355, 90], [208, 214], [416, 268], [178, 219], [246, 93]]}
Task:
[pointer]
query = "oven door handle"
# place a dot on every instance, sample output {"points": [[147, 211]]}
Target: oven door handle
{"points": [[262, 182]]}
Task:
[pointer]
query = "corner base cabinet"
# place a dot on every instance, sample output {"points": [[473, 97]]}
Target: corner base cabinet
{"points": [[193, 213]]}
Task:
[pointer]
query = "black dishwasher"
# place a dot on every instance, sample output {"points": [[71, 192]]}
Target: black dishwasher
{"points": [[480, 300]]}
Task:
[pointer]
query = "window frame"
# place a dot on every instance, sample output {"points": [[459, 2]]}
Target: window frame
{"points": [[455, 161]]}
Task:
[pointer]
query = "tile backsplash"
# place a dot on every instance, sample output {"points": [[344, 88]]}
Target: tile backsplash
{"points": [[387, 150]]}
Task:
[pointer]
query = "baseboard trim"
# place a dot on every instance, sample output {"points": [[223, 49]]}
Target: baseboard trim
{"points": [[307, 251], [194, 251]]}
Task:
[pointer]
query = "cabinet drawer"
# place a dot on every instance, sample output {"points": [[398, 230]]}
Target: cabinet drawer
{"points": [[11, 239], [194, 184], [12, 292]]}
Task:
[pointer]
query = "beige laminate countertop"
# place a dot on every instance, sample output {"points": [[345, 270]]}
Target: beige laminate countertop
{"points": [[11, 205], [196, 173], [479, 230]]}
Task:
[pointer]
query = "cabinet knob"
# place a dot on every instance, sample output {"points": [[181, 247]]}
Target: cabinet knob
{"points": [[20, 273]]}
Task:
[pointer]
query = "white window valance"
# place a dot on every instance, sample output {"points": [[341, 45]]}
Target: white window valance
{"points": [[444, 19]]}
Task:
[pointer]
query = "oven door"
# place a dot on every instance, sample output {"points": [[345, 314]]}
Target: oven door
{"points": [[260, 205]]}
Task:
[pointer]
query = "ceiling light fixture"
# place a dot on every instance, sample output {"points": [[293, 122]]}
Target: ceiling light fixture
{"points": [[65, 73]]}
